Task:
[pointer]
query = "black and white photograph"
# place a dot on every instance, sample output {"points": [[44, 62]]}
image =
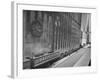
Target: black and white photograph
{"points": [[51, 40], [56, 39]]}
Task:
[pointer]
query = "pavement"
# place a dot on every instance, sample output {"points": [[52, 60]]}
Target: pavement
{"points": [[78, 58]]}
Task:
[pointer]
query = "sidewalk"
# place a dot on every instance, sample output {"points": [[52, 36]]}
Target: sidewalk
{"points": [[78, 58]]}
